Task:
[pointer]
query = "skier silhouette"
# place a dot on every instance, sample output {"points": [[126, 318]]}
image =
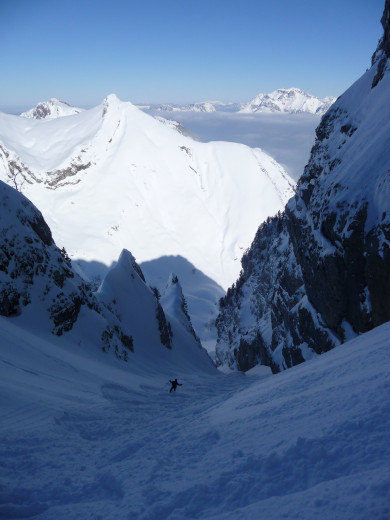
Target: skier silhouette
{"points": [[174, 384]]}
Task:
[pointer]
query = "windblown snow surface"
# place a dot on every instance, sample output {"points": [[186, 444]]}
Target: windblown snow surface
{"points": [[85, 436]]}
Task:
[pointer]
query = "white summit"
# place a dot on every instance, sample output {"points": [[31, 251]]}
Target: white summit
{"points": [[51, 109], [288, 100]]}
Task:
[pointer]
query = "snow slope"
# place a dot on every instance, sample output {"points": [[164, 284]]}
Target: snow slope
{"points": [[86, 436], [114, 178], [288, 138], [290, 100]]}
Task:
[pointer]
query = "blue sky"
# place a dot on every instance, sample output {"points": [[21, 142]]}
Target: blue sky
{"points": [[181, 51]]}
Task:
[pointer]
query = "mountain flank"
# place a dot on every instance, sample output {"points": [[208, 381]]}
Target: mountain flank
{"points": [[319, 273]]}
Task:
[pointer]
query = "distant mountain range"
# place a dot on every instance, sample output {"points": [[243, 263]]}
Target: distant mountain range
{"points": [[206, 106], [290, 101]]}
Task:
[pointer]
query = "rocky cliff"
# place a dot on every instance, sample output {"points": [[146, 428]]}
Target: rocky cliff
{"points": [[319, 273]]}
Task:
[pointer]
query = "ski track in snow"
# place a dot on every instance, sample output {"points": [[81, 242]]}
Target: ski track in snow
{"points": [[85, 438]]}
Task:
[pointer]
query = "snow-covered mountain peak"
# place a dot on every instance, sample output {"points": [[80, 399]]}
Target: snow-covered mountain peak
{"points": [[172, 280], [124, 284], [206, 106], [283, 93], [289, 100], [172, 295], [128, 263], [112, 99], [51, 109], [113, 103], [175, 304]]}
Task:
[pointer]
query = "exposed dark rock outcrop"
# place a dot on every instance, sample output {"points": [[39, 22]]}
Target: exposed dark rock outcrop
{"points": [[384, 43], [382, 53], [164, 327]]}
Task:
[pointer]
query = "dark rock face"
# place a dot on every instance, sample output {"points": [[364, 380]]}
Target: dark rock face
{"points": [[378, 274], [335, 284], [41, 111], [9, 300], [164, 327], [319, 273], [41, 229], [32, 266], [267, 313], [384, 43], [382, 53]]}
